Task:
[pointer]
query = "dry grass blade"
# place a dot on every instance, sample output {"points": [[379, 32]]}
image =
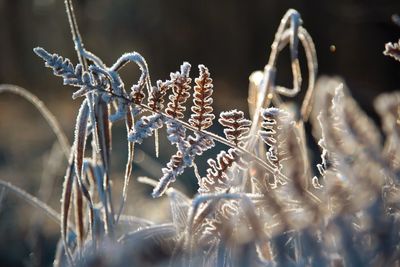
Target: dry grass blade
{"points": [[133, 220], [80, 138], [79, 152], [79, 217], [65, 205], [92, 102], [47, 115], [144, 79], [153, 230], [291, 19], [298, 170], [52, 214], [105, 147], [104, 132], [312, 66], [267, 84], [129, 122], [180, 205]]}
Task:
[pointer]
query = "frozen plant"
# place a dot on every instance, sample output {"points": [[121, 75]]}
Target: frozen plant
{"points": [[259, 203]]}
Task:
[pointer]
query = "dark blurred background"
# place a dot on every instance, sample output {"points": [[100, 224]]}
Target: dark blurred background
{"points": [[232, 38]]}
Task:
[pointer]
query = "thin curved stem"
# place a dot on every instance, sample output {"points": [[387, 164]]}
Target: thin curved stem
{"points": [[35, 202], [295, 21], [76, 36], [312, 66], [267, 87], [47, 115]]}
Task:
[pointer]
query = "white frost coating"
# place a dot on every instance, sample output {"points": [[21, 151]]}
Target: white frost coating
{"points": [[145, 127]]}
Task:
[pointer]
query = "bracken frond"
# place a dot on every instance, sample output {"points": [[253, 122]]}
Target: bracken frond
{"points": [[137, 93], [173, 169], [217, 179], [145, 127], [61, 67], [176, 134], [236, 126], [274, 133], [194, 146], [197, 145], [156, 97], [202, 110], [180, 83], [351, 125], [71, 76]]}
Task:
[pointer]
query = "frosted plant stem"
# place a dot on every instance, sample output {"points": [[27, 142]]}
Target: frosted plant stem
{"points": [[312, 66], [35, 202], [47, 115], [267, 86], [76, 36]]}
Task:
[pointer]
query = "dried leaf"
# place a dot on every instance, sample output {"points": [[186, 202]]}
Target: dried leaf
{"points": [[236, 126], [80, 138], [65, 204], [180, 83], [202, 116], [79, 216]]}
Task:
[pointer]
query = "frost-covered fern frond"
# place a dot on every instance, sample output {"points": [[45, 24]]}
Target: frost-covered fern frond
{"points": [[202, 110], [217, 179], [195, 146], [176, 134], [156, 97], [274, 133], [180, 82], [236, 126], [145, 127], [71, 75]]}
